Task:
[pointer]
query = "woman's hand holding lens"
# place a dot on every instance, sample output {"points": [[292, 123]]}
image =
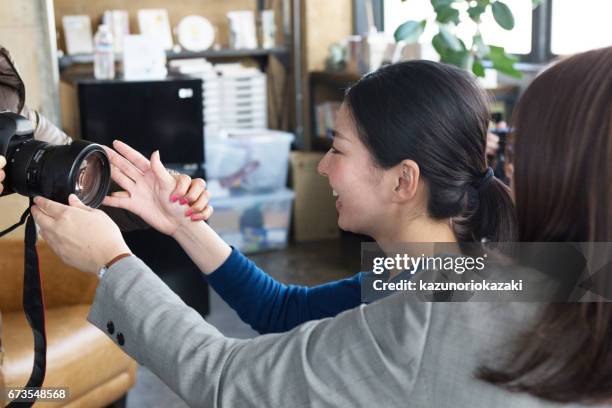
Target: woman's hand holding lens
{"points": [[82, 237], [164, 201], [2, 173]]}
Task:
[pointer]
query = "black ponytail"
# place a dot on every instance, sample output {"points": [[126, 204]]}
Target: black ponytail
{"points": [[438, 116], [489, 215]]}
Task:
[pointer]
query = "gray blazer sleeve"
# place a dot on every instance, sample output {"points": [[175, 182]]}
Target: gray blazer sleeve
{"points": [[359, 358]]}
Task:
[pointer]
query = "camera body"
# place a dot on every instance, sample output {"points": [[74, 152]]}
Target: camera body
{"points": [[39, 168], [14, 131]]}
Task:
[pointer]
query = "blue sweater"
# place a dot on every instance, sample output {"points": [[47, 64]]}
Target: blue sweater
{"points": [[270, 306]]}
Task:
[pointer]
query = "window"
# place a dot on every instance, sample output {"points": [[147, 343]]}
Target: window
{"points": [[580, 25], [556, 27]]}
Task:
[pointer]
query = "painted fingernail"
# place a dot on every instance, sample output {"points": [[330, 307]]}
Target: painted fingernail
{"points": [[183, 201], [188, 213], [194, 218], [173, 198]]}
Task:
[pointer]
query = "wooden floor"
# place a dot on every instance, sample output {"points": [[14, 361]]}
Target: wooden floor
{"points": [[312, 263]]}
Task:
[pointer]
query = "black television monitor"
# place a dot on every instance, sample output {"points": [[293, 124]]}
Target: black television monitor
{"points": [[164, 115]]}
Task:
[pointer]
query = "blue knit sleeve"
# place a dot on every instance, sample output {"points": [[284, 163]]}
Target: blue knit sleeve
{"points": [[269, 306]]}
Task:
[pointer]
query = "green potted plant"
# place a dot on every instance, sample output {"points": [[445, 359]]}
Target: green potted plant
{"points": [[453, 50]]}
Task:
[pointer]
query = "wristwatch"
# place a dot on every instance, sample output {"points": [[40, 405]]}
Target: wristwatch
{"points": [[102, 271]]}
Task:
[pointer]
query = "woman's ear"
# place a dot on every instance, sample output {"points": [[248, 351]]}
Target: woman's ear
{"points": [[407, 176]]}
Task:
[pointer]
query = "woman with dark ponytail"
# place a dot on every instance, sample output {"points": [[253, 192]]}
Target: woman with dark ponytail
{"points": [[434, 116]]}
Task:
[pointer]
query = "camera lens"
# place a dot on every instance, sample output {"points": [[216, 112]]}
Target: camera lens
{"points": [[38, 168], [89, 177]]}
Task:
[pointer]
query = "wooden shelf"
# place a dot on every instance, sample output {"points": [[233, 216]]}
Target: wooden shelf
{"points": [[334, 78], [325, 86], [280, 52]]}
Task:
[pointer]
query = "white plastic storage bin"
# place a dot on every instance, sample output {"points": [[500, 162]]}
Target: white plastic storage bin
{"points": [[254, 160], [253, 222]]}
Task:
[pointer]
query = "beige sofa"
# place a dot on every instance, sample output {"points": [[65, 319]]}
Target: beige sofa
{"points": [[79, 356]]}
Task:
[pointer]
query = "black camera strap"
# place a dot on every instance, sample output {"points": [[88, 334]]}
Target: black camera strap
{"points": [[33, 304]]}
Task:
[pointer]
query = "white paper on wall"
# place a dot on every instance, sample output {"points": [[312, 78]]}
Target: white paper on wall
{"points": [[119, 23], [143, 58], [155, 24], [242, 29], [77, 33]]}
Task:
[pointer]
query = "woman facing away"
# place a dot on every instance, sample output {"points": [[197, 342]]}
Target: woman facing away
{"points": [[563, 192], [400, 350], [407, 164]]}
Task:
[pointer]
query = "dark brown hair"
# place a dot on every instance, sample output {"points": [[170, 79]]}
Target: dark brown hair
{"points": [[436, 115], [12, 89], [563, 179]]}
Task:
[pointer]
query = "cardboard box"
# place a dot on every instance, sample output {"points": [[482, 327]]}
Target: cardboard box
{"points": [[314, 215]]}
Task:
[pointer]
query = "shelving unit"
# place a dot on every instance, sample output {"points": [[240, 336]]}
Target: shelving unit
{"points": [[325, 86], [287, 55]]}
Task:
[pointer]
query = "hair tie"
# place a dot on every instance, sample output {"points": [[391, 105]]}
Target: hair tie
{"points": [[484, 180]]}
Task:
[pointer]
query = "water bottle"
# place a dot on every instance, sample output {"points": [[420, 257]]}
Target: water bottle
{"points": [[104, 56]]}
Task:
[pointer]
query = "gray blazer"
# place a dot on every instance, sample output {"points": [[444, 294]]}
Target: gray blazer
{"points": [[396, 352]]}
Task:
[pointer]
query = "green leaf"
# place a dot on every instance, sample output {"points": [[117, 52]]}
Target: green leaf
{"points": [[460, 58], [439, 44], [503, 62], [478, 68], [481, 48], [451, 41], [503, 15], [447, 14], [441, 3], [536, 3], [476, 11], [410, 31]]}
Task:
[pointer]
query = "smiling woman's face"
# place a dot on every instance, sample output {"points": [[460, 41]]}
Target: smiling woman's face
{"points": [[358, 183]]}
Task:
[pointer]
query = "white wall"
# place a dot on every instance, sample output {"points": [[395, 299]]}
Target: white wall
{"points": [[24, 32]]}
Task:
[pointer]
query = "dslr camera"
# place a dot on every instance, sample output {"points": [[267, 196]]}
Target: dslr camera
{"points": [[39, 168]]}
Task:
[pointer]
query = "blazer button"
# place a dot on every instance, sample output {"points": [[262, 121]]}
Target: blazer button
{"points": [[110, 327], [120, 339]]}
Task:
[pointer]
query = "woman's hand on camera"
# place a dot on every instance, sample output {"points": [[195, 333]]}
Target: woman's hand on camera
{"points": [[153, 194], [82, 237], [2, 173]]}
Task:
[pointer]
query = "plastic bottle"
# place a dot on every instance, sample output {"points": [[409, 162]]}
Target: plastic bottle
{"points": [[104, 56]]}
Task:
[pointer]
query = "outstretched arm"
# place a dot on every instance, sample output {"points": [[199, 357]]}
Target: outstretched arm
{"points": [[262, 302], [360, 358]]}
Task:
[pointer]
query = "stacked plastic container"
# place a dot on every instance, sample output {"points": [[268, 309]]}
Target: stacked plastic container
{"points": [[247, 174], [246, 163]]}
